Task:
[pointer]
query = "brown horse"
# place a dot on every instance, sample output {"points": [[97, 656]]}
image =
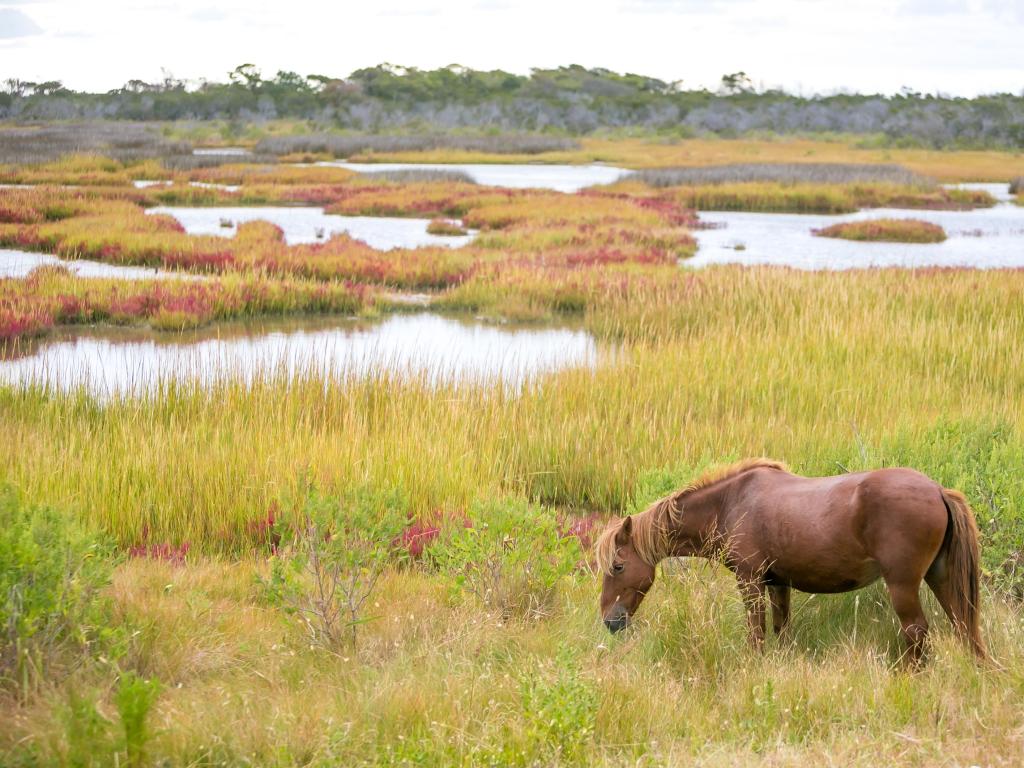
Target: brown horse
{"points": [[778, 531]]}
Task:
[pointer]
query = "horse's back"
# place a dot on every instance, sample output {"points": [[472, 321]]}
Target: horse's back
{"points": [[831, 534]]}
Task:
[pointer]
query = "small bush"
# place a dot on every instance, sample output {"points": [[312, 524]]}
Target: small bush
{"points": [[51, 573], [886, 231], [330, 568], [511, 559]]}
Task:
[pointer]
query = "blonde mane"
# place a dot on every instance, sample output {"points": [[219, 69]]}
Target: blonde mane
{"points": [[649, 529]]}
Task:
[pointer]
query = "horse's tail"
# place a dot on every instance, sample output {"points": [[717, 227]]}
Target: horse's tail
{"points": [[964, 562]]}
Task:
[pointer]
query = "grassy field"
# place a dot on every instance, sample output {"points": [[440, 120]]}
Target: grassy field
{"points": [[159, 553]]}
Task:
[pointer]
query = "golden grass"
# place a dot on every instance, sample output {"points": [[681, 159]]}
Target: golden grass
{"points": [[438, 681]]}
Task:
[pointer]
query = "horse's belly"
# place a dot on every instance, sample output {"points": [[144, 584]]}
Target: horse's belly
{"points": [[825, 580]]}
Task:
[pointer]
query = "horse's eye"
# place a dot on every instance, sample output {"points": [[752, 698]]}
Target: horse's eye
{"points": [[617, 568]]}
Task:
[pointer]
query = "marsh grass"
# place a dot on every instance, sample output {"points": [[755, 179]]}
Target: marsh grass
{"points": [[440, 681], [420, 175], [829, 372], [731, 362], [782, 173], [118, 139]]}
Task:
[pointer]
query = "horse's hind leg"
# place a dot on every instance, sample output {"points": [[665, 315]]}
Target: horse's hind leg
{"points": [[939, 582], [907, 603], [780, 608]]}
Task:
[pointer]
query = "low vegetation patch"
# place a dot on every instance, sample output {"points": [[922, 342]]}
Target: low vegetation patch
{"points": [[885, 231], [446, 227], [364, 146], [420, 175], [782, 173]]}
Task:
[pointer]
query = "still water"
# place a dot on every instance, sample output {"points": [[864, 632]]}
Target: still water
{"points": [[985, 238], [19, 264], [111, 361], [301, 225]]}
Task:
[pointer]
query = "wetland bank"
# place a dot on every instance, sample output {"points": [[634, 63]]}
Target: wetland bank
{"points": [[617, 362]]}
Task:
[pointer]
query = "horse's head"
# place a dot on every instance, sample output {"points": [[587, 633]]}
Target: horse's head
{"points": [[627, 576]]}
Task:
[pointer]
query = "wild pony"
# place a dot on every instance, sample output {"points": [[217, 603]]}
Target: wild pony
{"points": [[778, 531]]}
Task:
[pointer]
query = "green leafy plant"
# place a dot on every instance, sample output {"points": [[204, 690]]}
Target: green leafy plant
{"points": [[511, 559], [51, 573], [135, 698]]}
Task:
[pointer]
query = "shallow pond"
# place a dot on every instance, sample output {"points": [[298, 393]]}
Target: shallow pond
{"points": [[561, 178], [985, 238], [110, 360], [19, 264], [301, 225]]}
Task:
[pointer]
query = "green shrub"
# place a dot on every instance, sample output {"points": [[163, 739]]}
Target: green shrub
{"points": [[51, 573], [560, 707], [330, 566], [135, 698], [511, 557], [88, 739]]}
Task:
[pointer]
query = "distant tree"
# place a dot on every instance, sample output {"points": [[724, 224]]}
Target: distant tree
{"points": [[737, 82], [16, 87], [50, 88], [246, 75]]}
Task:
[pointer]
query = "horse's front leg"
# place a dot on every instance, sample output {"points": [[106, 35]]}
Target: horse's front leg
{"points": [[752, 589]]}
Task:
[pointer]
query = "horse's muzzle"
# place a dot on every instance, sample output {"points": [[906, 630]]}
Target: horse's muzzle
{"points": [[617, 620]]}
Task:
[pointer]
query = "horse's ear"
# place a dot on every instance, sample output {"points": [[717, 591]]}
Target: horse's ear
{"points": [[624, 530]]}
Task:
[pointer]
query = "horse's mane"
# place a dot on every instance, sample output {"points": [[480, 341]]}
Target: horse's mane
{"points": [[649, 529]]}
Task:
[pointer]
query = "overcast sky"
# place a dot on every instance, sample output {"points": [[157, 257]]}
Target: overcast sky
{"points": [[951, 46]]}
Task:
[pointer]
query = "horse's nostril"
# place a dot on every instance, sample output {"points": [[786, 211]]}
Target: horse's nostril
{"points": [[616, 624]]}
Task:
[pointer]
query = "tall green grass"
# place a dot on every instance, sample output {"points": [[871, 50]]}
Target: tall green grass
{"points": [[826, 371]]}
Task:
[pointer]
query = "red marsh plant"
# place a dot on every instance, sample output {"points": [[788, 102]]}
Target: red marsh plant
{"points": [[885, 230], [51, 295]]}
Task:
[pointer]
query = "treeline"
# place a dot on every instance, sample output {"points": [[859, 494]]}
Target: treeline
{"points": [[569, 100]]}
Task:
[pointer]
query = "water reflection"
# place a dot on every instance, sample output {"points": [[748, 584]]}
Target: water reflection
{"points": [[108, 361]]}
